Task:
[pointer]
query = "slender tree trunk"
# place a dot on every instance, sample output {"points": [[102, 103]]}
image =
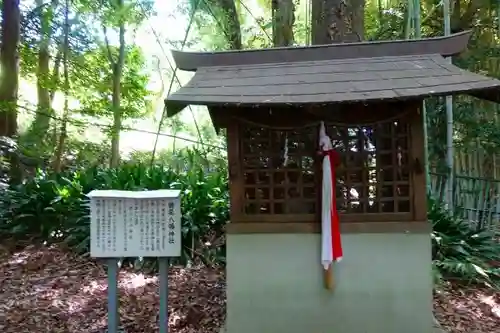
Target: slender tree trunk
{"points": [[57, 163], [117, 117], [45, 112], [117, 68], [55, 74]]}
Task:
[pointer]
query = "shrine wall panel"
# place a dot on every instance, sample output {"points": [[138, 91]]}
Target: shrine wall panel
{"points": [[369, 296]]}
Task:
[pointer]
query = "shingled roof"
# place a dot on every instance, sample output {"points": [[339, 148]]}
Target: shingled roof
{"points": [[347, 80]]}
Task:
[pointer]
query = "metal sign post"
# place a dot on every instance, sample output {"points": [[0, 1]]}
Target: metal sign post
{"points": [[163, 272], [113, 320], [135, 224]]}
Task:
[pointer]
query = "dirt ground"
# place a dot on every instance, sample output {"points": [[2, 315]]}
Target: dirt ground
{"points": [[50, 291]]}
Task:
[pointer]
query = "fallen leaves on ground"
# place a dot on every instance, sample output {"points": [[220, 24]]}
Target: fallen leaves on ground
{"points": [[467, 309], [52, 291], [47, 290]]}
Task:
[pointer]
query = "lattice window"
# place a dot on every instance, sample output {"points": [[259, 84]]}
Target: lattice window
{"points": [[374, 175], [279, 170], [282, 171]]}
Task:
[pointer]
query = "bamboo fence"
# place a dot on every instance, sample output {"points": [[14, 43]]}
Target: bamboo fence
{"points": [[476, 188]]}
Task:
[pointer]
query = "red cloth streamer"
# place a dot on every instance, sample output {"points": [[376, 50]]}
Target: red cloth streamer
{"points": [[336, 242], [334, 161]]}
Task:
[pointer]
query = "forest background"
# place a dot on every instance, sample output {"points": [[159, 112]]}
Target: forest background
{"points": [[81, 101]]}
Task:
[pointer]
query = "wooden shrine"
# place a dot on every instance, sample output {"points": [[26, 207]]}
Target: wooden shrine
{"points": [[369, 96]]}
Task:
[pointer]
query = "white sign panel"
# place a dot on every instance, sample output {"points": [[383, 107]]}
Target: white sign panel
{"points": [[135, 223]]}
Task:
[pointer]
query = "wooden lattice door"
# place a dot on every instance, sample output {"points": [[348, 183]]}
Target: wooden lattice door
{"points": [[279, 170]]}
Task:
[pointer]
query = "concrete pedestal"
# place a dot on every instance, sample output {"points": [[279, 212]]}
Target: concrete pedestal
{"points": [[275, 284]]}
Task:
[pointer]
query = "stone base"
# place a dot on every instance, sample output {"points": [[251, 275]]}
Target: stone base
{"points": [[275, 284]]}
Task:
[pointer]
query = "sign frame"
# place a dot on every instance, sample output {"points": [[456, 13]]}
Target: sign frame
{"points": [[135, 223]]}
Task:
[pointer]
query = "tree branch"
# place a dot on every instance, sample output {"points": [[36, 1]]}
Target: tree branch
{"points": [[55, 73], [121, 52], [106, 41]]}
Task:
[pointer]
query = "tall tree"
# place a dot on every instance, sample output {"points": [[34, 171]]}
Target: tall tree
{"points": [[45, 86], [9, 79], [57, 162], [116, 63], [119, 16]]}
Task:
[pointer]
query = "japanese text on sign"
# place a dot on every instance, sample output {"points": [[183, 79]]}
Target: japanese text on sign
{"points": [[135, 224]]}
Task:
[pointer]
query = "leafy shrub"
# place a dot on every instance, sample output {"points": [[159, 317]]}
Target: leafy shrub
{"points": [[460, 253], [54, 208], [209, 158]]}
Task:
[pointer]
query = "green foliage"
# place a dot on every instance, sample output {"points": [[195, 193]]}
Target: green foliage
{"points": [[208, 158], [82, 154], [223, 28], [88, 63], [96, 97], [461, 253], [109, 13], [54, 208]]}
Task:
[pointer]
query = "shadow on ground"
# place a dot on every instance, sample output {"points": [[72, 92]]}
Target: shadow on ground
{"points": [[47, 290]]}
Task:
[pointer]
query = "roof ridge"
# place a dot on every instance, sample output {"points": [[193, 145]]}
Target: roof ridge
{"points": [[444, 45]]}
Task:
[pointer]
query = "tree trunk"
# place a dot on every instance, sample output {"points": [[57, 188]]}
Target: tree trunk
{"points": [[117, 117], [337, 21], [283, 14], [9, 80], [45, 112], [57, 163], [357, 24], [233, 32], [465, 21], [117, 68], [9, 67], [55, 74]]}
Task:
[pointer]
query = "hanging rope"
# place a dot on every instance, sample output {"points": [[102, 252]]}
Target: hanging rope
{"points": [[317, 123], [285, 153]]}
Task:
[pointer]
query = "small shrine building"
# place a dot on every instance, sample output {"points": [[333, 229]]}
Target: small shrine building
{"points": [[363, 101]]}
